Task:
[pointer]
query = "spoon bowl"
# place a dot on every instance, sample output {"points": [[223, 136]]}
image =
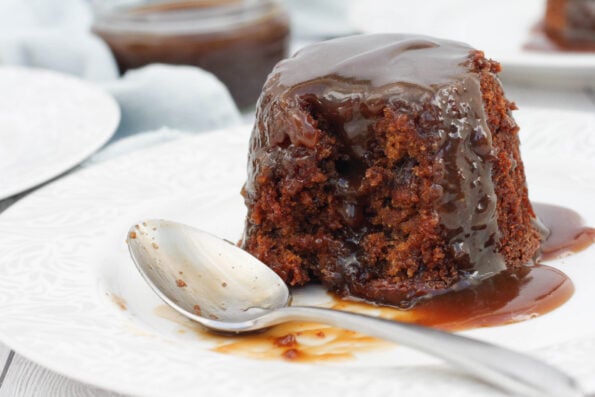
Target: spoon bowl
{"points": [[225, 289], [177, 261]]}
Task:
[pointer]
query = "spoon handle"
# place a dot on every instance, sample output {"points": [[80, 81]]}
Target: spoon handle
{"points": [[506, 369]]}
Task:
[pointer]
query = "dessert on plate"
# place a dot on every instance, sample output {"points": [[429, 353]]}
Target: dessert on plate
{"points": [[570, 24], [387, 168]]}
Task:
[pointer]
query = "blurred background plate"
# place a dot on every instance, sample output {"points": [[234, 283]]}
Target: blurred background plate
{"points": [[48, 124], [501, 28]]}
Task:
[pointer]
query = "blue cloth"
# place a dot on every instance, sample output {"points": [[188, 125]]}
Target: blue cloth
{"points": [[178, 97]]}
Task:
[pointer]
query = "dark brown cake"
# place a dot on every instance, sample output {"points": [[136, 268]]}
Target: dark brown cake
{"points": [[570, 24], [387, 167]]}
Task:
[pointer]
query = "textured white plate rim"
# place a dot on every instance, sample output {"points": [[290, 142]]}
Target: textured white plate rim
{"points": [[71, 369], [76, 372], [65, 367], [78, 154]]}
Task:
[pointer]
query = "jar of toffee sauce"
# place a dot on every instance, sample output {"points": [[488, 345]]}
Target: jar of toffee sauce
{"points": [[239, 41]]}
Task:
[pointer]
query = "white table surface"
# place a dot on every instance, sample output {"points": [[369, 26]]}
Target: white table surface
{"points": [[20, 377]]}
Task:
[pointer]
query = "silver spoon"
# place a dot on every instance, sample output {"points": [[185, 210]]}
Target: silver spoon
{"points": [[223, 288]]}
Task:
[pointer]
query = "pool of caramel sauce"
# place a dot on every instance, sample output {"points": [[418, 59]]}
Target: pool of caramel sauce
{"points": [[293, 341], [506, 298]]}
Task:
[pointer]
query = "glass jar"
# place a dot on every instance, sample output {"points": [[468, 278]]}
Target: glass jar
{"points": [[238, 41]]}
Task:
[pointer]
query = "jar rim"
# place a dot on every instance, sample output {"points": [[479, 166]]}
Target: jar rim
{"points": [[182, 16]]}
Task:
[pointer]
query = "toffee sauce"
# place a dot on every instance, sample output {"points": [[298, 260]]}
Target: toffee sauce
{"points": [[568, 234], [508, 297], [293, 341], [241, 53], [511, 296]]}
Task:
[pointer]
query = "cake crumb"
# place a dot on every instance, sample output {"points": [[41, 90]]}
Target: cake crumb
{"points": [[291, 354], [118, 300], [288, 340], [181, 283]]}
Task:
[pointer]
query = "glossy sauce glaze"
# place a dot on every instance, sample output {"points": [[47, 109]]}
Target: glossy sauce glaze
{"points": [[567, 235], [513, 296], [506, 298]]}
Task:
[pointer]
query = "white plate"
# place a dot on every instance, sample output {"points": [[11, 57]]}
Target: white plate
{"points": [[63, 250], [498, 27], [49, 123]]}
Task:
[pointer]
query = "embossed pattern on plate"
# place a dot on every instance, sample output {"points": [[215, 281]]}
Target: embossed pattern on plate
{"points": [[49, 123], [64, 258]]}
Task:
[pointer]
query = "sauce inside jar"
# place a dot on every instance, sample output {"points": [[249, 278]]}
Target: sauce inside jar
{"points": [[237, 41]]}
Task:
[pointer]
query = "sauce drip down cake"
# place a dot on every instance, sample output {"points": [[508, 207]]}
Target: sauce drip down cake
{"points": [[387, 167]]}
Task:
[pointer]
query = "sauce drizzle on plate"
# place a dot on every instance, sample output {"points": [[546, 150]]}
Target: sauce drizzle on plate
{"points": [[508, 297]]}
